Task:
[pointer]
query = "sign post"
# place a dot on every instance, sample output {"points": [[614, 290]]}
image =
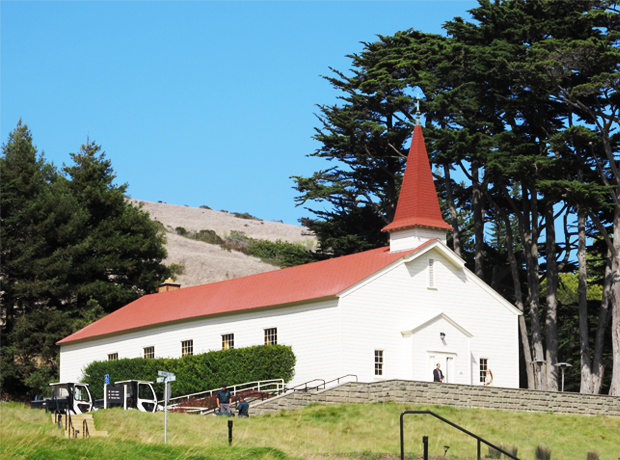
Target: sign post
{"points": [[166, 378], [106, 382]]}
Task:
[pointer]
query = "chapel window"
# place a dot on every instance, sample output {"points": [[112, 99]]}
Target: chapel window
{"points": [[187, 348], [228, 341], [484, 365], [271, 336], [378, 362], [112, 356], [149, 352]]}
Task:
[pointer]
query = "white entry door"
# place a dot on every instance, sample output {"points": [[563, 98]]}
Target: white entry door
{"points": [[446, 363]]}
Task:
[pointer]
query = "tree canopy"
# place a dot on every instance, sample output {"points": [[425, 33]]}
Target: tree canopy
{"points": [[521, 107], [73, 249]]}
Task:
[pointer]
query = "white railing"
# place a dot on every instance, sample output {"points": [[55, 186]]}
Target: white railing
{"points": [[274, 385]]}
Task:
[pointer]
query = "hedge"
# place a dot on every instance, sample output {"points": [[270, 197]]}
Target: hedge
{"points": [[198, 372]]}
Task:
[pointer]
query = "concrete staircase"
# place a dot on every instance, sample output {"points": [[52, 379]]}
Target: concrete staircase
{"points": [[78, 426]]}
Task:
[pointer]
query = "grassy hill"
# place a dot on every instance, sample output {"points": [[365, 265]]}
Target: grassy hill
{"points": [[205, 263], [357, 431]]}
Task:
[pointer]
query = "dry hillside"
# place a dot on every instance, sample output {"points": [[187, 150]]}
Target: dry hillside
{"points": [[206, 263]]}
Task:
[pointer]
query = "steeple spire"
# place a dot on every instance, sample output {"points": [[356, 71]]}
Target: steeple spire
{"points": [[418, 216]]}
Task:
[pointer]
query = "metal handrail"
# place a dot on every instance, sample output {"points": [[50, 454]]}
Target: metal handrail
{"points": [[279, 384], [428, 412], [85, 432], [70, 430], [305, 385], [208, 410], [343, 377]]}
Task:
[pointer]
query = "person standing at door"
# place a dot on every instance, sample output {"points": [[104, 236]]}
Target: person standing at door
{"points": [[437, 374]]}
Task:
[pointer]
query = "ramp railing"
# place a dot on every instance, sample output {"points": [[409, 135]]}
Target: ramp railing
{"points": [[267, 386], [428, 412]]}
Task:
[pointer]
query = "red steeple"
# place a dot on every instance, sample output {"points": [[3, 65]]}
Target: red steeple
{"points": [[418, 204]]}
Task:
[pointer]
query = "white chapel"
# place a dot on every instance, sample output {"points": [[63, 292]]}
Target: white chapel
{"points": [[388, 313]]}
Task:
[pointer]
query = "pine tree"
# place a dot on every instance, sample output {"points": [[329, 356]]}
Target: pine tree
{"points": [[121, 250], [39, 222]]}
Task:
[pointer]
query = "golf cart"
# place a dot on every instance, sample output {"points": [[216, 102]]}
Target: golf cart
{"points": [[131, 394], [70, 397]]}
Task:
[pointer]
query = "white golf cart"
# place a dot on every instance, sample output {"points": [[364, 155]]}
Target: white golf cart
{"points": [[131, 394], [68, 397]]}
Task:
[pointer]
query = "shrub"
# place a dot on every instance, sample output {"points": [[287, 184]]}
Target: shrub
{"points": [[238, 241], [592, 455], [177, 269], [160, 227], [201, 372], [245, 215], [543, 452], [512, 450], [204, 206], [209, 236], [280, 253], [494, 453], [180, 231]]}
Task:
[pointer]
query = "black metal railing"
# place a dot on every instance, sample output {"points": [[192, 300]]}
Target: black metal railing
{"points": [[85, 432], [71, 431], [304, 386], [307, 387], [425, 440], [340, 378]]}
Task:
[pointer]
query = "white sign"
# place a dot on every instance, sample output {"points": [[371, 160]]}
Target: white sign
{"points": [[171, 378], [165, 374], [160, 379]]}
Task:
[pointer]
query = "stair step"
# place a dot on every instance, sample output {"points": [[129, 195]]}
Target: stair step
{"points": [[78, 425]]}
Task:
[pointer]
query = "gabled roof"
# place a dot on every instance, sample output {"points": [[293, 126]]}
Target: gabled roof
{"points": [[301, 283], [418, 204]]}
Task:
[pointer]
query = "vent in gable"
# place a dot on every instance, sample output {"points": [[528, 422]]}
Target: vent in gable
{"points": [[431, 273]]}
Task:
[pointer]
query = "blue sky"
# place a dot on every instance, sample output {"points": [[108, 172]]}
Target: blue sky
{"points": [[195, 103]]}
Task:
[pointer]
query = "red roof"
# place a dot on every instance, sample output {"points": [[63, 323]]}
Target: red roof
{"points": [[418, 203], [294, 284]]}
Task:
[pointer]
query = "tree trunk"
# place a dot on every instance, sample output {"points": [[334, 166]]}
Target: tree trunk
{"points": [[456, 237], [478, 220], [586, 364], [514, 270], [530, 249], [615, 301], [551, 318], [598, 368]]}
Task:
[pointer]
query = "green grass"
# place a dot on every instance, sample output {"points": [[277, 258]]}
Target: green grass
{"points": [[356, 431]]}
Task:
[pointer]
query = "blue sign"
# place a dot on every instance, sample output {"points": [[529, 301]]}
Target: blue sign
{"points": [[106, 379]]}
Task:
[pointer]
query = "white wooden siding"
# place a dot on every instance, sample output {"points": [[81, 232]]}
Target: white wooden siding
{"points": [[375, 314], [402, 240], [337, 337], [311, 329]]}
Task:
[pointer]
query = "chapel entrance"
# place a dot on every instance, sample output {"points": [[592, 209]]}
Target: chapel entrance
{"points": [[446, 362]]}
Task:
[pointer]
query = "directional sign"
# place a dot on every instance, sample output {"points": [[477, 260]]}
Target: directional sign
{"points": [[106, 379], [165, 374], [160, 379], [172, 378]]}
